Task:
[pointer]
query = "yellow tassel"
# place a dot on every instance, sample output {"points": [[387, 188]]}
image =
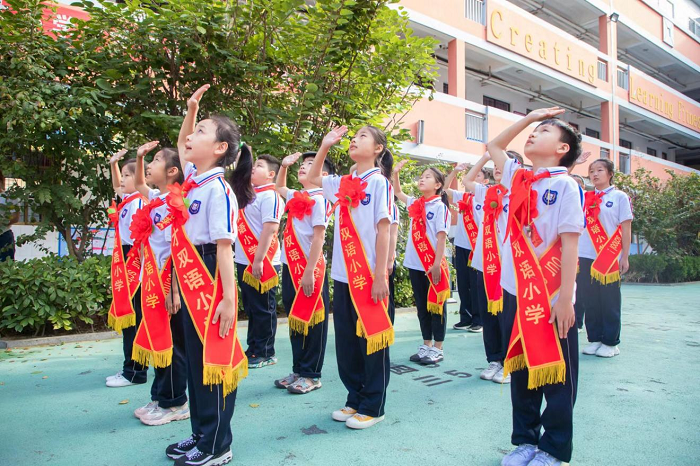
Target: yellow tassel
{"points": [[380, 340], [605, 279], [270, 284], [141, 355], [120, 323], [360, 330], [251, 280], [298, 326], [162, 358], [541, 376], [513, 364], [494, 307], [318, 317], [435, 308]]}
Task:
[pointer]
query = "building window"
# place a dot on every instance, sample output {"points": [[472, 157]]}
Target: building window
{"points": [[664, 155], [592, 133], [622, 79], [602, 70], [445, 88], [495, 103], [475, 127], [651, 151], [625, 144], [604, 153], [474, 10], [624, 163]]}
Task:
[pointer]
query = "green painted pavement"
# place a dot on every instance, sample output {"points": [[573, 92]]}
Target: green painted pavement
{"points": [[640, 408]]}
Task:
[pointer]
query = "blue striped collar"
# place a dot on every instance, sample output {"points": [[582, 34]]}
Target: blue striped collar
{"points": [[553, 171], [367, 174], [606, 190], [208, 176]]}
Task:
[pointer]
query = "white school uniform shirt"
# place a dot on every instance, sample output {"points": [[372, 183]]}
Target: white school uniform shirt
{"points": [[213, 208], [160, 239], [266, 207], [615, 208], [461, 237], [437, 220], [304, 228], [501, 225], [377, 205], [125, 215], [560, 211]]}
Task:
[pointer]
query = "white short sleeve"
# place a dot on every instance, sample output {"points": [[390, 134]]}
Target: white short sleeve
{"points": [[220, 218], [383, 198], [190, 169], [443, 218], [330, 185], [625, 208], [480, 193], [570, 211], [509, 169], [271, 207], [318, 215], [153, 193]]}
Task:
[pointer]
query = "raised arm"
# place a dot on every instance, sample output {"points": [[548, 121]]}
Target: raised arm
{"points": [[397, 183], [281, 183], [332, 138], [116, 174], [498, 146], [470, 179], [140, 171], [459, 168], [189, 122], [583, 158]]}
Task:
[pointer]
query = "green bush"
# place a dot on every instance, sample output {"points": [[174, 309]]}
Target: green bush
{"points": [[653, 268], [53, 291]]}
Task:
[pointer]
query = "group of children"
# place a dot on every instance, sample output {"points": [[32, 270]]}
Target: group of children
{"points": [[175, 290]]}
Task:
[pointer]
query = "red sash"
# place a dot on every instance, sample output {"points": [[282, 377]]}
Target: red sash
{"points": [[605, 268], [306, 311], [124, 274], [373, 321], [534, 342], [153, 344], [438, 293], [466, 207], [224, 360], [250, 242], [493, 206]]}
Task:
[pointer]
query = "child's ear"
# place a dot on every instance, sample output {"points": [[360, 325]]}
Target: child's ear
{"points": [[324, 174], [563, 149], [221, 148]]}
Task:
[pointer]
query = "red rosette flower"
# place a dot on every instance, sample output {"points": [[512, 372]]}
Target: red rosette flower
{"points": [[493, 201], [177, 203], [300, 205], [417, 210], [466, 206], [141, 227], [351, 191], [592, 203]]}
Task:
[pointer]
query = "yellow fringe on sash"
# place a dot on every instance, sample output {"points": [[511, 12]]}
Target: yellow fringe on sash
{"points": [[230, 377], [537, 376], [494, 307], [435, 308], [119, 323], [605, 279], [261, 287], [147, 357], [380, 341], [299, 326]]}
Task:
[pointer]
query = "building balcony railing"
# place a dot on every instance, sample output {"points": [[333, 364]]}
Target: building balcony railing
{"points": [[475, 10], [475, 126]]}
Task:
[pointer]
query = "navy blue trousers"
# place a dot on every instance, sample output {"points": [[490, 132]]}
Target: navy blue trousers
{"points": [[261, 309], [464, 288], [557, 417], [169, 386], [365, 376], [492, 332], [210, 411], [132, 370], [432, 326], [603, 305], [308, 351]]}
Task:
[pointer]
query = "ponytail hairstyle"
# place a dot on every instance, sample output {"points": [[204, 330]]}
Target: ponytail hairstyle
{"points": [[440, 178], [385, 160], [172, 160], [227, 131]]}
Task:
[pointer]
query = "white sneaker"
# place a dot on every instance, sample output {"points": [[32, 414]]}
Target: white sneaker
{"points": [[592, 348], [498, 378], [489, 372], [119, 381], [521, 456], [342, 415], [422, 352], [542, 458], [113, 376], [138, 412], [159, 416], [434, 356], [361, 421], [606, 351]]}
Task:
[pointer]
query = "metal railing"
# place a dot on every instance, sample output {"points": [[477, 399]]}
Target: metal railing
{"points": [[475, 126], [475, 10], [602, 70]]}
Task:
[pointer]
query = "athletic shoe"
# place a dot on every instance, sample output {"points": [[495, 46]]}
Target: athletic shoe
{"points": [[489, 372], [434, 356], [304, 385], [606, 351], [476, 328], [498, 378], [542, 458], [194, 457], [461, 326], [344, 414], [119, 381], [177, 450], [521, 456], [592, 348], [286, 381], [361, 421], [159, 415], [256, 362], [422, 352], [143, 410], [113, 376]]}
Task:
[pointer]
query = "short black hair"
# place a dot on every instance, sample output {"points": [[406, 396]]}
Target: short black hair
{"points": [[130, 166], [570, 136], [328, 166], [273, 163]]}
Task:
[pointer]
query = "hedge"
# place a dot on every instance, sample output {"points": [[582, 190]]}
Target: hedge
{"points": [[653, 268]]}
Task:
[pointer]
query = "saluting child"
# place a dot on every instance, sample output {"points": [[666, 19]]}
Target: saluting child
{"points": [[125, 311], [258, 261], [539, 259], [425, 259], [304, 280], [363, 329], [603, 258]]}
